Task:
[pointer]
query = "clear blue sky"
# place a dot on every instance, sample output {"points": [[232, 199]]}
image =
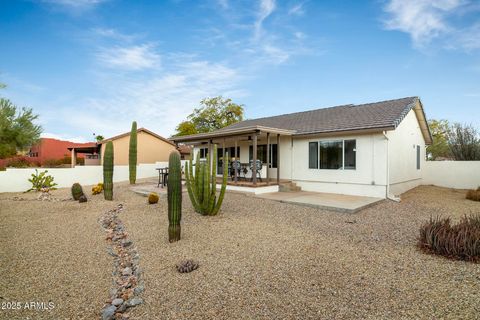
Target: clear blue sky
{"points": [[93, 66]]}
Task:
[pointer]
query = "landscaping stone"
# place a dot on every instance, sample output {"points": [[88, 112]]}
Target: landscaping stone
{"points": [[108, 312], [134, 302], [126, 271]]}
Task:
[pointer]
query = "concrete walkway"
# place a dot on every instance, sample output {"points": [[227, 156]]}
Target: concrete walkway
{"points": [[329, 201]]}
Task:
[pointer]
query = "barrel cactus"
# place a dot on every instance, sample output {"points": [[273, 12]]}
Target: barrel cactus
{"points": [[108, 171], [153, 198], [77, 191], [202, 187], [132, 154], [174, 195]]}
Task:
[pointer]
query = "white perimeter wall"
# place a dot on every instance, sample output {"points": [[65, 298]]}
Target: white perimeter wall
{"points": [[16, 180], [452, 174]]}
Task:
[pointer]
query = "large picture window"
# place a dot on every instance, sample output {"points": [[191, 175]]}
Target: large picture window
{"points": [[334, 155]]}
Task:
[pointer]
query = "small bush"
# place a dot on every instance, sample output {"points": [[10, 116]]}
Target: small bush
{"points": [[473, 195], [77, 191], [3, 168], [41, 181], [51, 163], [459, 241], [19, 162], [152, 198], [97, 189]]}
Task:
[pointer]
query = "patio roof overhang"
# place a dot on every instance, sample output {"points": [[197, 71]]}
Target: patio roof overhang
{"points": [[224, 133]]}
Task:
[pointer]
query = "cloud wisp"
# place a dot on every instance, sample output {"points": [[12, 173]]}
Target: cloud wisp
{"points": [[134, 57], [428, 20]]}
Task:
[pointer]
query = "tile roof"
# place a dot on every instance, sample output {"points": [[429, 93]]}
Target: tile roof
{"points": [[383, 114]]}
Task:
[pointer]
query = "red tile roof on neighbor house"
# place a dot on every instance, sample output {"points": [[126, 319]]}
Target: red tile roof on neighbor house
{"points": [[48, 148]]}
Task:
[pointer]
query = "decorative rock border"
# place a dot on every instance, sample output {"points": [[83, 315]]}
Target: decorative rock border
{"points": [[127, 285]]}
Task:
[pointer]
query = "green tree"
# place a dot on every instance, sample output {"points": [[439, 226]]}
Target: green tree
{"points": [[17, 128], [213, 113], [99, 138], [464, 142], [439, 147]]}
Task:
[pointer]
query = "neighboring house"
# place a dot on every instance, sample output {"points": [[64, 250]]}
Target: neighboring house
{"points": [[52, 149], [184, 151], [374, 149], [151, 147]]}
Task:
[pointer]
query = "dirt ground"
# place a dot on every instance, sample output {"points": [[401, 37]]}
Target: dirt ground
{"points": [[258, 259]]}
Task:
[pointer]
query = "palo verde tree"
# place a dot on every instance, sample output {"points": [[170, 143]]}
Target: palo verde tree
{"points": [[464, 142], [17, 128], [132, 154], [439, 147], [213, 113]]}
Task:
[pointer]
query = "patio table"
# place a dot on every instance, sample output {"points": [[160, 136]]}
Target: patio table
{"points": [[162, 176]]}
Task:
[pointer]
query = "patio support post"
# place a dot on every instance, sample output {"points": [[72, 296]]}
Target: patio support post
{"points": [[268, 157], [224, 165], [254, 167], [74, 158], [236, 158], [278, 159]]}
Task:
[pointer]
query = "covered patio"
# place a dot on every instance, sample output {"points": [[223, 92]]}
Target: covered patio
{"points": [[244, 146], [91, 151]]}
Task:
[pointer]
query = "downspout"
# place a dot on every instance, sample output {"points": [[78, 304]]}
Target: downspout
{"points": [[387, 189]]}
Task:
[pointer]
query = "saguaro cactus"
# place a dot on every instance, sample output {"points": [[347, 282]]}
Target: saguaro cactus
{"points": [[132, 154], [174, 190], [202, 188], [108, 171]]}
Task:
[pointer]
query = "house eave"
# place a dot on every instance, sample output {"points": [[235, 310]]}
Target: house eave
{"points": [[230, 133]]}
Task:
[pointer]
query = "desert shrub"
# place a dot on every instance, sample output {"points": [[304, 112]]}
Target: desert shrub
{"points": [[19, 162], [77, 191], [473, 195], [97, 189], [51, 163], [458, 241], [2, 168], [41, 181], [152, 198]]}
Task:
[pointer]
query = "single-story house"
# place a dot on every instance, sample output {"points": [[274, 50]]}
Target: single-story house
{"points": [[151, 148], [373, 149]]}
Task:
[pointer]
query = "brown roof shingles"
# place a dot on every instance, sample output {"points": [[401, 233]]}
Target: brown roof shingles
{"points": [[384, 114]]}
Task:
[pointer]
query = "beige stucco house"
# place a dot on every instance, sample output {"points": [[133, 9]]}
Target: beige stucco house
{"points": [[151, 147]]}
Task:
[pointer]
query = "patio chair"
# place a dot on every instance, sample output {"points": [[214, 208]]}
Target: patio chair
{"points": [[235, 166], [258, 168]]}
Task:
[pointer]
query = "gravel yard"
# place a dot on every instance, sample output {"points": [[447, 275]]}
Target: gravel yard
{"points": [[258, 259]]}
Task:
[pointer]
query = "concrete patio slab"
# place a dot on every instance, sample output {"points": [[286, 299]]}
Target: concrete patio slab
{"points": [[148, 187], [329, 201]]}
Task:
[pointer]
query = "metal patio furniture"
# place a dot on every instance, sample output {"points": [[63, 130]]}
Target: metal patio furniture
{"points": [[259, 166]]}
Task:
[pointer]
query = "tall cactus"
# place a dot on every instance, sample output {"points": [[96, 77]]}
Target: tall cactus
{"points": [[132, 154], [202, 187], [174, 190], [108, 171]]}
